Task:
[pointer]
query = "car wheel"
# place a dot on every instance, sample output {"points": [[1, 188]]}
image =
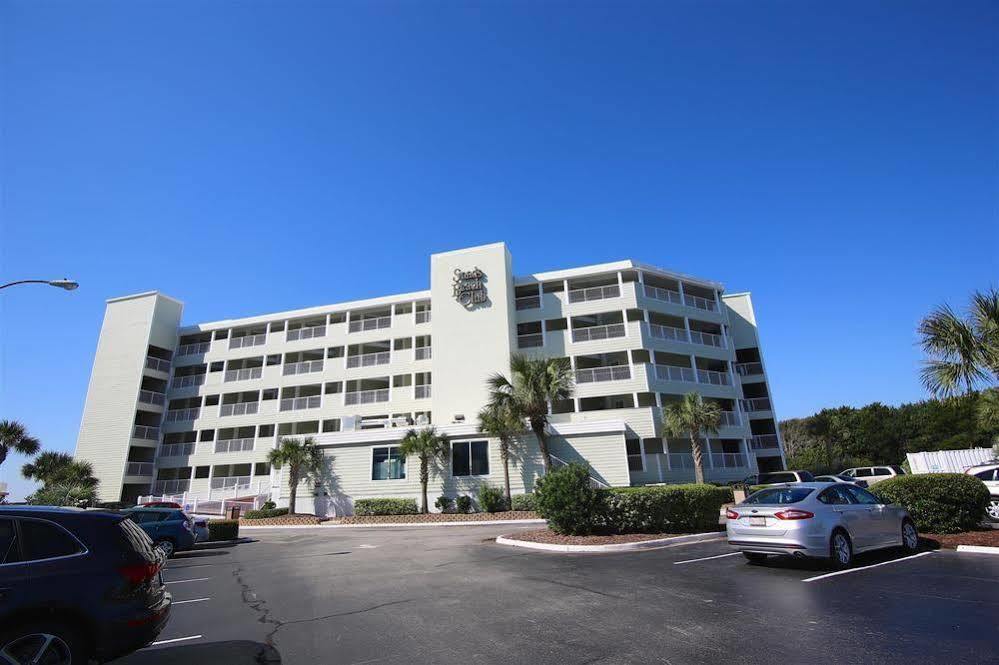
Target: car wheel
{"points": [[43, 643], [166, 546], [755, 557], [910, 537], [993, 509], [840, 550]]}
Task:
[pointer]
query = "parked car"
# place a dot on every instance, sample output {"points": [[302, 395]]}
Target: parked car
{"points": [[77, 586], [873, 474], [778, 477], [832, 478], [163, 504], [171, 530], [832, 522], [989, 474]]}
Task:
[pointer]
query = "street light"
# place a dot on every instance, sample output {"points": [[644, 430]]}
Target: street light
{"points": [[66, 284]]}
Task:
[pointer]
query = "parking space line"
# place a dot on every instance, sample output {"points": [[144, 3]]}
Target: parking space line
{"points": [[176, 639], [706, 558], [197, 565], [192, 600], [857, 570], [195, 579]]}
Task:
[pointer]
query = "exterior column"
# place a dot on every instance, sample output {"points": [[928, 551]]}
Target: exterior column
{"points": [[693, 365], [686, 327], [679, 286]]}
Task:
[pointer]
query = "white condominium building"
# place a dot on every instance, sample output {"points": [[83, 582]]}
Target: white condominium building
{"points": [[192, 410]]}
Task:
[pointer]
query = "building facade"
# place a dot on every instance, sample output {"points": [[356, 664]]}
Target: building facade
{"points": [[192, 410]]}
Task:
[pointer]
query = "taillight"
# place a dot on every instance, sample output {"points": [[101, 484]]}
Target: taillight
{"points": [[794, 514], [140, 572], [731, 514]]}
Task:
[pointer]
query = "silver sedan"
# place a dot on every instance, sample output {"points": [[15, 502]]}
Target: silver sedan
{"points": [[820, 520]]}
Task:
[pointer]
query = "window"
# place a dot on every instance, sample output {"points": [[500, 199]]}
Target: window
{"points": [[862, 495], [984, 475], [835, 496], [387, 463], [653, 446], [470, 458], [274, 359], [261, 469], [779, 496], [217, 366], [882, 471], [9, 551], [767, 478], [201, 471], [207, 435], [44, 540], [634, 448], [862, 473]]}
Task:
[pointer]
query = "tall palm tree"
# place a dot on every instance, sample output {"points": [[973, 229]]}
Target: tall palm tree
{"points": [[53, 467], [428, 446], [14, 436], [691, 416], [500, 421], [534, 384], [303, 459], [963, 350]]}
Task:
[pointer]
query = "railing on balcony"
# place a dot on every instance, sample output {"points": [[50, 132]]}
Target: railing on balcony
{"points": [[303, 367], [171, 486], [191, 349], [755, 404], [595, 333], [528, 302], [713, 378], [306, 333], [369, 359], [599, 374], [595, 293], [244, 374], [728, 460], [665, 295], [230, 482], [177, 449], [680, 460], [234, 445], [247, 340], [764, 441], [360, 325], [139, 469], [730, 419], [151, 397], [147, 433], [700, 303], [673, 373], [180, 415], [422, 353], [668, 332], [239, 408], [421, 392], [158, 364], [749, 369], [188, 381], [299, 403], [530, 341], [423, 317], [367, 396], [707, 339]]}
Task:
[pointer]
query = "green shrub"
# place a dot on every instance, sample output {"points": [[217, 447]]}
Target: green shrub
{"points": [[223, 529], [444, 503], [665, 509], [522, 502], [938, 502], [567, 500], [385, 507], [463, 504], [268, 505], [492, 499], [265, 512]]}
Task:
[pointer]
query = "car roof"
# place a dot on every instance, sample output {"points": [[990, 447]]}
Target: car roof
{"points": [[809, 485], [152, 509], [53, 511]]}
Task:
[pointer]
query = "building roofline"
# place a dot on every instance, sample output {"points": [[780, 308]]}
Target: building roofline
{"points": [[469, 249], [626, 264], [144, 294]]}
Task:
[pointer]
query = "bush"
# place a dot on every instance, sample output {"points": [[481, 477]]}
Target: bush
{"points": [[385, 507], [492, 499], [444, 503], [223, 529], [566, 499], [268, 505], [522, 502], [665, 509], [265, 512], [463, 504], [938, 502]]}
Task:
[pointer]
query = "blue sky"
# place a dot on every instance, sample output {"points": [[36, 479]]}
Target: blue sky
{"points": [[839, 160]]}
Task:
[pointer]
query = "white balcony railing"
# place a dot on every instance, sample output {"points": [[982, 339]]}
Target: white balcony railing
{"points": [[665, 295], [181, 415], [595, 293], [234, 445], [764, 441], [158, 364], [422, 353], [377, 323], [230, 482], [151, 397], [707, 339], [668, 332], [730, 419], [528, 302], [423, 317], [421, 392], [303, 367], [147, 433], [247, 340], [239, 408], [306, 333], [192, 349], [673, 373], [594, 333], [728, 460], [680, 460], [755, 404], [171, 486], [369, 359], [244, 374], [599, 374], [139, 469], [698, 302], [299, 403], [530, 341], [748, 369], [177, 449], [713, 378], [366, 396], [188, 381]]}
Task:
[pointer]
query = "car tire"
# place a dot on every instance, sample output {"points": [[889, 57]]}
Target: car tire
{"points": [[910, 537], [63, 644], [992, 511], [840, 550], [167, 546], [755, 558]]}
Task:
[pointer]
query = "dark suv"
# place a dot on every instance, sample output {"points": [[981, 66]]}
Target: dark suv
{"points": [[76, 585]]}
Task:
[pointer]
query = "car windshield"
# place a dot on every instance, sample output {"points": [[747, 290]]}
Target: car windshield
{"points": [[779, 495]]}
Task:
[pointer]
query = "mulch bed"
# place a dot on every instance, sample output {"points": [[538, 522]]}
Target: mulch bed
{"points": [[435, 518], [986, 538], [549, 536], [281, 520]]}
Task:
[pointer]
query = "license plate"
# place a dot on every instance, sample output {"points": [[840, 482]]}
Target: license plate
{"points": [[757, 521]]}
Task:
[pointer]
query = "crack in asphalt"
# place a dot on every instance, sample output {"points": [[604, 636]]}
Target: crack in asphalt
{"points": [[576, 586], [350, 613]]}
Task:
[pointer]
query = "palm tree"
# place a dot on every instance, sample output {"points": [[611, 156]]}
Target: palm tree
{"points": [[428, 446], [534, 384], [963, 351], [52, 467], [691, 416], [499, 421], [14, 436], [304, 461]]}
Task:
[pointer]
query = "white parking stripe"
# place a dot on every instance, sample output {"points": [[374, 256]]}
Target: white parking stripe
{"points": [[176, 639], [193, 600], [196, 579], [856, 570], [197, 565], [705, 558]]}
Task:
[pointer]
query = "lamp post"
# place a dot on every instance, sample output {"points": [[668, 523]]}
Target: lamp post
{"points": [[66, 284]]}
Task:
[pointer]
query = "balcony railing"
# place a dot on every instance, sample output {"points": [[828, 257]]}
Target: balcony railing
{"points": [[377, 323], [728, 460], [244, 374], [673, 373], [139, 469], [594, 333], [707, 339], [595, 293], [234, 445], [158, 364], [151, 397], [599, 374], [713, 378], [188, 381], [422, 353], [230, 482], [247, 340], [192, 349], [239, 408], [306, 333], [367, 396], [147, 433], [755, 404], [423, 317], [171, 486], [680, 460], [299, 403], [700, 303], [749, 369], [304, 367], [369, 359], [668, 332], [530, 341], [421, 392], [528, 302], [665, 295], [177, 449], [764, 441], [730, 419], [180, 415]]}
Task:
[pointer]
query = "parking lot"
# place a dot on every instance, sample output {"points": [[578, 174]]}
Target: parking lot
{"points": [[451, 595]]}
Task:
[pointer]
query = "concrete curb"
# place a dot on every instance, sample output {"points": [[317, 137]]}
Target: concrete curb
{"points": [[394, 525], [615, 547], [977, 549]]}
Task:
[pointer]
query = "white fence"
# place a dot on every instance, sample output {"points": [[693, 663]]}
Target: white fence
{"points": [[949, 461]]}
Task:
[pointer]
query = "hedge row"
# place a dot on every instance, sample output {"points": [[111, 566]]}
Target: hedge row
{"points": [[223, 529], [938, 502], [522, 502], [385, 507], [264, 513]]}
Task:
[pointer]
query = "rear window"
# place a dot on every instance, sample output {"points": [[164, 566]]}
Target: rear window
{"points": [[897, 469], [806, 476], [779, 495], [766, 478], [136, 540]]}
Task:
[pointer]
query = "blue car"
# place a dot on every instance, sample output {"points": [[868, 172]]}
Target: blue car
{"points": [[170, 529]]}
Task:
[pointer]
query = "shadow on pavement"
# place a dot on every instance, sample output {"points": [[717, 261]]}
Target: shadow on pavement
{"points": [[861, 560], [234, 652]]}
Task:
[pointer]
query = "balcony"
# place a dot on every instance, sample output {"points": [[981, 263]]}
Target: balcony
{"points": [[177, 449], [299, 403], [181, 415], [528, 302], [707, 339], [713, 378], [150, 397], [680, 460], [146, 433], [668, 332], [234, 445], [139, 469], [600, 374], [594, 293], [666, 295], [674, 373], [158, 364], [377, 323], [304, 367], [366, 396], [239, 409], [231, 482], [310, 332], [728, 460], [764, 442], [422, 353], [192, 349], [730, 419], [594, 333], [421, 392], [244, 374], [171, 486], [755, 404], [423, 317], [530, 341], [188, 381], [749, 369], [247, 340], [697, 302], [369, 359]]}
